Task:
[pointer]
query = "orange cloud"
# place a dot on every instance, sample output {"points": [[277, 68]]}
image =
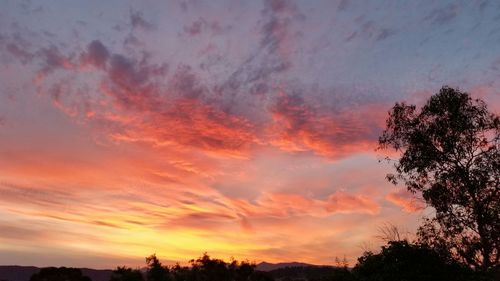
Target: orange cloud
{"points": [[190, 123]]}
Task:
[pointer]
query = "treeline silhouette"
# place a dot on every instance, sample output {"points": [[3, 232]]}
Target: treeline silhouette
{"points": [[203, 268], [398, 260]]}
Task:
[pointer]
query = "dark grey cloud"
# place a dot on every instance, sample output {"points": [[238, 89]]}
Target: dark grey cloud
{"points": [[385, 33], [444, 14], [495, 65], [15, 45], [186, 83], [195, 27], [52, 59], [97, 54], [125, 72], [202, 25], [343, 5], [272, 57], [133, 82], [278, 16], [19, 52], [367, 28], [137, 21], [132, 41]]}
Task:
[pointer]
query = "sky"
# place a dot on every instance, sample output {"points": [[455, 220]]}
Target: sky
{"points": [[243, 129]]}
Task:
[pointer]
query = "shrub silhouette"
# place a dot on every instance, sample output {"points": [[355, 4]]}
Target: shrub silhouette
{"points": [[313, 273], [402, 260], [126, 274]]}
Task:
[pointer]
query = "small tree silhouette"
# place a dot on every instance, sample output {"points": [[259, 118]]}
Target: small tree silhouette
{"points": [[156, 271]]}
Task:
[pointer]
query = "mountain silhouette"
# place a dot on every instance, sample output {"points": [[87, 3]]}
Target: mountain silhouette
{"points": [[266, 266], [24, 273]]}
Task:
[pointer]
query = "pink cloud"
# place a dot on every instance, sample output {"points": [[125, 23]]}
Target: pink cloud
{"points": [[406, 200], [342, 202], [299, 126], [290, 205]]}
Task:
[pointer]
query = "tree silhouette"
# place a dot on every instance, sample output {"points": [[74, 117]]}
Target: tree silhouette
{"points": [[240, 271], [126, 274], [210, 269], [156, 271], [450, 151], [59, 274]]}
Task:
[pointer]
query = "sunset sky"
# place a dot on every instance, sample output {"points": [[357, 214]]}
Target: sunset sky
{"points": [[244, 129]]}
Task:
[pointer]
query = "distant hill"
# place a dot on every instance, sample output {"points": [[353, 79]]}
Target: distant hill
{"points": [[299, 271], [265, 266], [279, 271], [24, 273]]}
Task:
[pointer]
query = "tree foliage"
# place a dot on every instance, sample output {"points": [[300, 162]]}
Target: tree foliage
{"points": [[450, 152]]}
